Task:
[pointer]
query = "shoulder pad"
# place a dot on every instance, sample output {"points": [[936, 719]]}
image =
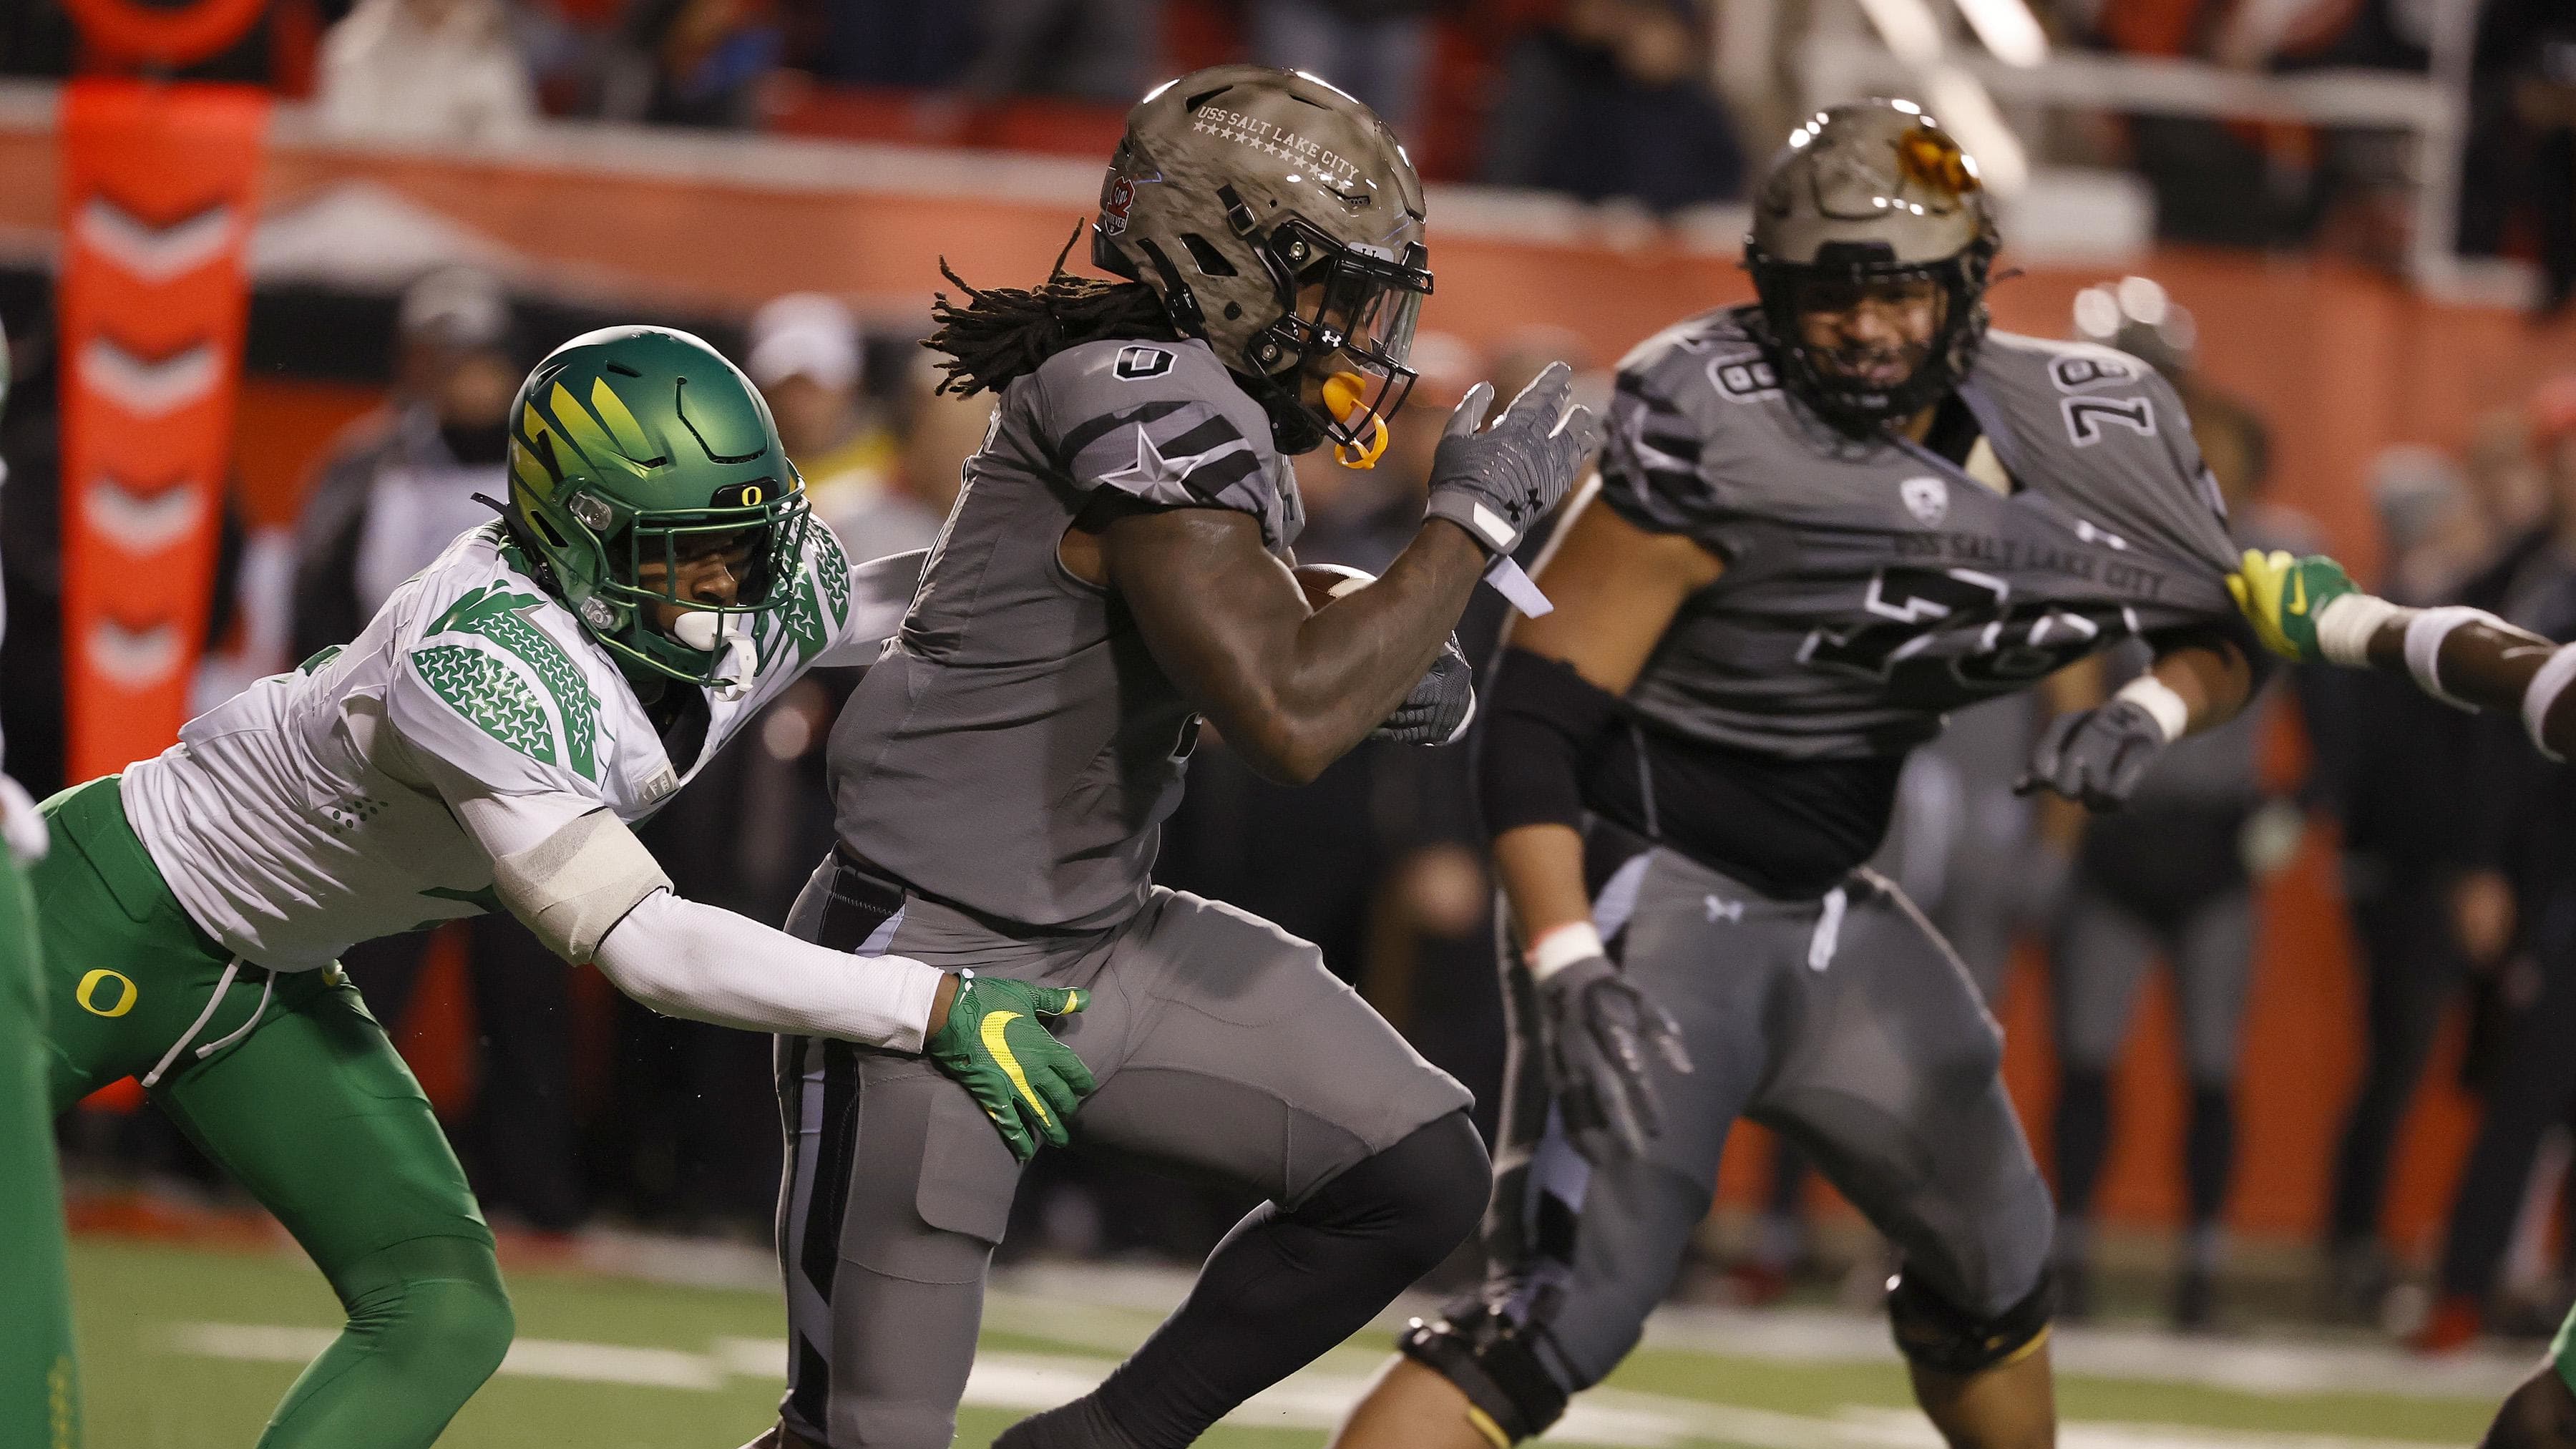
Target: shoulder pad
{"points": [[1681, 354], [2105, 434], [484, 655], [818, 602], [1675, 393], [1163, 421], [2064, 367]]}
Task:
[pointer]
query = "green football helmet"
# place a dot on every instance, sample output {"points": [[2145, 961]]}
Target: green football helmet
{"points": [[632, 451]]}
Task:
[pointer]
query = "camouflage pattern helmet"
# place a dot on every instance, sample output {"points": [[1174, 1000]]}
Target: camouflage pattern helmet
{"points": [[1280, 220], [634, 450], [1866, 195]]}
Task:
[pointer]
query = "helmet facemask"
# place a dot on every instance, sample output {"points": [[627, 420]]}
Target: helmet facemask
{"points": [[757, 528], [1350, 312], [1909, 334]]}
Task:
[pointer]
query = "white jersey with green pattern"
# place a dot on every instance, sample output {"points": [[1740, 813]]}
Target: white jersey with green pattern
{"points": [[309, 812]]}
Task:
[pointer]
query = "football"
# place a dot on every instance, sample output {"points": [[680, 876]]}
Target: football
{"points": [[1324, 583]]}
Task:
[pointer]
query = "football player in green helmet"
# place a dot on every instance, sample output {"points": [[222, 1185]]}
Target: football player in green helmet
{"points": [[485, 743], [39, 1390]]}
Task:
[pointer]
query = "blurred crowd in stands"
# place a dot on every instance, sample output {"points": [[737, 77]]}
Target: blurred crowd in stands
{"points": [[1600, 99], [2458, 843]]}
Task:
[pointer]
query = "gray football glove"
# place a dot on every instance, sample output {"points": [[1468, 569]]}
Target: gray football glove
{"points": [[1498, 482], [1596, 1028], [2095, 755], [1440, 708]]}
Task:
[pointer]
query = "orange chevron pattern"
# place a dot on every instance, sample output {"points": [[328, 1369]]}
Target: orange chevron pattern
{"points": [[158, 192]]}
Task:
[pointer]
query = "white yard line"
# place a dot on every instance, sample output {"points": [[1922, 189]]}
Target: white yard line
{"points": [[1112, 1306], [533, 1358], [1313, 1400], [2269, 1366]]}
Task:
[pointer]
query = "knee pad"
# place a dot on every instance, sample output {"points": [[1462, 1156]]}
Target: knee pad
{"points": [[1511, 1396], [1939, 1336], [1424, 1194]]}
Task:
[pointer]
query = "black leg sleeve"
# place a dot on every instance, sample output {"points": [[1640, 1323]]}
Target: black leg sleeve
{"points": [[2083, 1137], [2209, 1152], [1282, 1288]]}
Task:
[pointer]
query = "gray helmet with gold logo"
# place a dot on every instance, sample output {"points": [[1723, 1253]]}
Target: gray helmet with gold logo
{"points": [[1871, 192], [1280, 220]]}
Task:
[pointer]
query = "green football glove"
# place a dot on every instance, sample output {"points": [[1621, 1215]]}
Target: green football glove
{"points": [[2282, 597], [995, 1043]]}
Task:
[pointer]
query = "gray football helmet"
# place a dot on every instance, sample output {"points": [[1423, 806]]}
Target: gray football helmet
{"points": [[1280, 220], [1865, 193]]}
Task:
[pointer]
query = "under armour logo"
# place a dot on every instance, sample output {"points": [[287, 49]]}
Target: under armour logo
{"points": [[1719, 910]]}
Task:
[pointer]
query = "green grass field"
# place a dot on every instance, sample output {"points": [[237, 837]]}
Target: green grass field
{"points": [[187, 1349]]}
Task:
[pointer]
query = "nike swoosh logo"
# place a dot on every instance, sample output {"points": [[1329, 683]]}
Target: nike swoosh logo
{"points": [[1001, 1050]]}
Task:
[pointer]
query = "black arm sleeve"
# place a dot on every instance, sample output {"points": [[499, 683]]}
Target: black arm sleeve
{"points": [[1546, 728]]}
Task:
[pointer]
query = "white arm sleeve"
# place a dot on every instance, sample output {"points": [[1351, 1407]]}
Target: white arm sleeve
{"points": [[685, 959], [881, 593]]}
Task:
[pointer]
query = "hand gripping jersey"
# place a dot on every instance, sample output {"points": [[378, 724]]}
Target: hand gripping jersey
{"points": [[1018, 749], [1872, 587], [306, 813]]}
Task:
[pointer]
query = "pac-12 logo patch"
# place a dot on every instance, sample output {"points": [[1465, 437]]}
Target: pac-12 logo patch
{"points": [[1114, 205], [1927, 498], [1140, 361]]}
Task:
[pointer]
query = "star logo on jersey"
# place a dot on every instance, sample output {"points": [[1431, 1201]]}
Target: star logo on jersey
{"points": [[1927, 498], [1152, 469]]}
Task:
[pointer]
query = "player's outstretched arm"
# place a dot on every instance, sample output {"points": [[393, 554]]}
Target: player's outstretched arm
{"points": [[1293, 689], [2309, 610], [572, 872], [1616, 587]]}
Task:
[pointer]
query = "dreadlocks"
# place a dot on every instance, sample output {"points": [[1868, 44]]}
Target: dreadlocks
{"points": [[1009, 331]]}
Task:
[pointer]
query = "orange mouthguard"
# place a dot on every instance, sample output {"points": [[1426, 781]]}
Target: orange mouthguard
{"points": [[1343, 392]]}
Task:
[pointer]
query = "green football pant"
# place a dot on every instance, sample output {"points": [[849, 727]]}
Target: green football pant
{"points": [[287, 1081], [39, 1392]]}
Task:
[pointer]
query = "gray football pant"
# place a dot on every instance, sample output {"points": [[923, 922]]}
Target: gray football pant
{"points": [[1844, 1024], [1221, 1045], [2102, 951]]}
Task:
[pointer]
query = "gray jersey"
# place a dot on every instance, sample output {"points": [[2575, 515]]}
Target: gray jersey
{"points": [[1018, 749], [1871, 587]]}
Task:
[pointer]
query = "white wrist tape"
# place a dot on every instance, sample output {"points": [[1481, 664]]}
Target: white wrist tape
{"points": [[2424, 636], [2542, 693], [1562, 947], [573, 885], [2160, 702], [2347, 624]]}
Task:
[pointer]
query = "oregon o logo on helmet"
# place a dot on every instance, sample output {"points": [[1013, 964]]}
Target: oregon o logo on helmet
{"points": [[752, 495], [87, 993]]}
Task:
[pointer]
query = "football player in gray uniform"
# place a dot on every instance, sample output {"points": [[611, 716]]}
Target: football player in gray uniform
{"points": [[1115, 570], [1823, 522]]}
